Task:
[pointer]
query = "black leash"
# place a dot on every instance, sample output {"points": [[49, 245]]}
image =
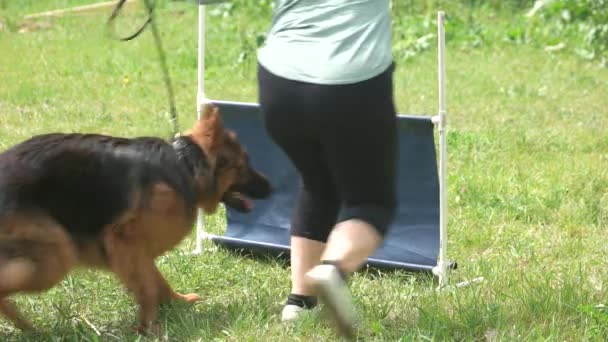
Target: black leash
{"points": [[150, 5]]}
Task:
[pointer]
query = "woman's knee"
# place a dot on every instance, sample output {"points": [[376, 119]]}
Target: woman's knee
{"points": [[379, 215]]}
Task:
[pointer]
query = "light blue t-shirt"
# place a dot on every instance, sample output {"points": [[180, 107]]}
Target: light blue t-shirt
{"points": [[328, 41]]}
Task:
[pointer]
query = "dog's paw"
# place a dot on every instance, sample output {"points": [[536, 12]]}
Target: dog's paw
{"points": [[147, 329], [24, 325], [190, 298]]}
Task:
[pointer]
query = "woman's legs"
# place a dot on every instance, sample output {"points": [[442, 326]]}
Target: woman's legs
{"points": [[350, 244], [343, 141], [293, 130], [305, 254], [361, 152]]}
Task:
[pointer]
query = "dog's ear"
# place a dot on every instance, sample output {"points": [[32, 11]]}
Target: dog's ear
{"points": [[209, 128], [211, 117]]}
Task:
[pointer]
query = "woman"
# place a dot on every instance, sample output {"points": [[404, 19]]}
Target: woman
{"points": [[326, 90]]}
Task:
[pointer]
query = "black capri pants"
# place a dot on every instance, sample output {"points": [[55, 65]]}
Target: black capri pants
{"points": [[343, 141]]}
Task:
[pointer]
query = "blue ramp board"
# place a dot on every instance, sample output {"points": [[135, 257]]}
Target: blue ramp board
{"points": [[412, 242]]}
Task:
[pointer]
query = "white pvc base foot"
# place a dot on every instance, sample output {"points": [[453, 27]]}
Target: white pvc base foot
{"points": [[441, 271]]}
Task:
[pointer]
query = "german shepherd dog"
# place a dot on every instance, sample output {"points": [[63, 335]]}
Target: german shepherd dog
{"points": [[111, 203]]}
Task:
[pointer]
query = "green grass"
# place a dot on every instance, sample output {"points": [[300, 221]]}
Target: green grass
{"points": [[528, 183]]}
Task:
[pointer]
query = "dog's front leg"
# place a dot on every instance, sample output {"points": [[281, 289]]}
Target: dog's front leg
{"points": [[140, 281], [146, 293], [137, 271]]}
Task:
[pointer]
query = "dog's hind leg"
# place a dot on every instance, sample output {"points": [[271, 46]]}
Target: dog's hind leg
{"points": [[13, 273], [35, 254], [9, 310], [25, 273]]}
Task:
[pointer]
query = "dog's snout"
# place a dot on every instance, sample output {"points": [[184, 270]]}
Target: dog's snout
{"points": [[259, 186]]}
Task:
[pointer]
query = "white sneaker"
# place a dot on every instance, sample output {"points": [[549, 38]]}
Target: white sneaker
{"points": [[334, 293], [291, 313]]}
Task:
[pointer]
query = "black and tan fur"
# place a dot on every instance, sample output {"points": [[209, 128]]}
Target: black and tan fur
{"points": [[96, 201]]}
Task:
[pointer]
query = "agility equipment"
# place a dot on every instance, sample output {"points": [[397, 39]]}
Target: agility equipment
{"points": [[416, 241]]}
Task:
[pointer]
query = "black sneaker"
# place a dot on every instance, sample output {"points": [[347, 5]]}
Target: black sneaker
{"points": [[296, 306]]}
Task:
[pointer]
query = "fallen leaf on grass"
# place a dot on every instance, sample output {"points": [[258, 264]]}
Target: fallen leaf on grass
{"points": [[556, 47], [31, 26], [491, 335]]}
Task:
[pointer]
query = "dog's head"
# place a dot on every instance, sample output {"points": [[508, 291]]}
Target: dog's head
{"points": [[235, 180]]}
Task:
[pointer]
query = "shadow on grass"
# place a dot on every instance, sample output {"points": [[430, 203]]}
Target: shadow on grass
{"points": [[178, 321], [282, 259]]}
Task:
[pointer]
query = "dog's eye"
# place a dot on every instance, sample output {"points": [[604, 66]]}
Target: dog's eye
{"points": [[225, 164], [221, 163]]}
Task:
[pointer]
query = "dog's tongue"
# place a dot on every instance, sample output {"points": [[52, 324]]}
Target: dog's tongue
{"points": [[248, 204]]}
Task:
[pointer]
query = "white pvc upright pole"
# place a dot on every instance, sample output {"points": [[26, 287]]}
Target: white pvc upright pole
{"points": [[441, 270], [200, 98], [200, 101]]}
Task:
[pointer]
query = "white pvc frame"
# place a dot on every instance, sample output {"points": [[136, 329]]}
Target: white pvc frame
{"points": [[200, 102], [441, 270], [442, 267]]}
